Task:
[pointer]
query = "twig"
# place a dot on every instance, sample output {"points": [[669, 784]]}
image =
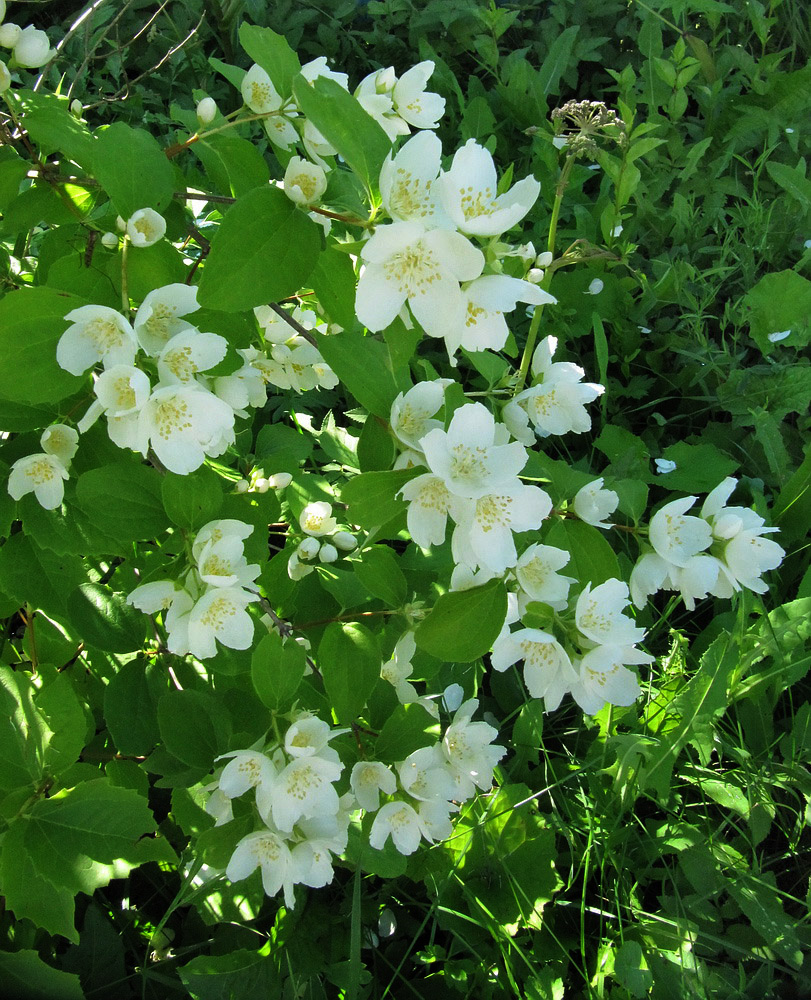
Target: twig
{"points": [[300, 330]]}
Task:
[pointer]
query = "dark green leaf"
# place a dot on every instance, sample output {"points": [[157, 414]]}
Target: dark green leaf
{"points": [[134, 733], [132, 169], [194, 726], [103, 618], [362, 365], [350, 661], [333, 281], [408, 728], [277, 669], [372, 497], [194, 500], [380, 573], [125, 500], [271, 51], [463, 626], [26, 977]]}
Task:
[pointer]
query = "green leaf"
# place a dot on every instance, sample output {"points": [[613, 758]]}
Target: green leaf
{"points": [[134, 733], [23, 732], [99, 959], [408, 728], [631, 969], [557, 60], [32, 320], [478, 121], [103, 618], [463, 625], [194, 726], [272, 52], [333, 281], [277, 669], [236, 974], [77, 837], [125, 500], [380, 573], [593, 560], [778, 302], [26, 977], [132, 169], [29, 895], [792, 508], [372, 496], [761, 904], [699, 467], [281, 448], [234, 165], [792, 180], [345, 125], [263, 226], [192, 501], [30, 574], [51, 125], [350, 661], [59, 705], [362, 365]]}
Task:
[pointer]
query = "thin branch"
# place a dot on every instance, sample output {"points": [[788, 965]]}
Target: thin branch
{"points": [[300, 330]]}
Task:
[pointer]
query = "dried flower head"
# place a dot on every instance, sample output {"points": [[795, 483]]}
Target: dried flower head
{"points": [[581, 122]]}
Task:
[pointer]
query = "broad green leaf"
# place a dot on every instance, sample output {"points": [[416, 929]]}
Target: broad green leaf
{"points": [[362, 365], [51, 125], [194, 500], [792, 180], [134, 733], [215, 846], [386, 863], [26, 977], [24, 734], [699, 467], [792, 508], [281, 448], [376, 451], [593, 560], [380, 573], [36, 576], [272, 52], [478, 121], [103, 618], [631, 969], [333, 281], [99, 959], [132, 169], [12, 170], [408, 728], [66, 530], [277, 669], [236, 974], [77, 837], [32, 320], [264, 250], [779, 302], [345, 125], [194, 726], [557, 60], [233, 74], [234, 165], [372, 496], [761, 904], [125, 500], [349, 659], [60, 707], [28, 894], [462, 626]]}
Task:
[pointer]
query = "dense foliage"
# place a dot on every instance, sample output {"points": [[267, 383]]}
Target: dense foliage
{"points": [[404, 560]]}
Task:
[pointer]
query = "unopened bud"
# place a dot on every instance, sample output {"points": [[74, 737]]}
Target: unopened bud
{"points": [[110, 240], [345, 541], [544, 259], [206, 111], [308, 549], [280, 480], [76, 108], [535, 275], [242, 486], [261, 485], [328, 553], [9, 35], [121, 223]]}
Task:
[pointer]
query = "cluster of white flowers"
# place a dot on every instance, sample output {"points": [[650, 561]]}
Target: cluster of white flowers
{"points": [[323, 540], [425, 256], [304, 821], [719, 552], [473, 478], [44, 473], [586, 645], [556, 401], [294, 363], [209, 602], [30, 47]]}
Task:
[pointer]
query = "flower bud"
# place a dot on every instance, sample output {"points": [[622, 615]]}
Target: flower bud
{"points": [[304, 182], [261, 485], [308, 549], [328, 553], [76, 108], [595, 287], [10, 35], [5, 77], [535, 275], [345, 541], [242, 486], [32, 48], [544, 259], [110, 240], [206, 111], [280, 480]]}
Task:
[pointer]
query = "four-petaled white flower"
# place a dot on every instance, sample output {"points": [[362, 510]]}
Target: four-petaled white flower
{"points": [[548, 670], [368, 779], [303, 789], [677, 536], [599, 615], [407, 182], [593, 504], [401, 821], [603, 678], [43, 475], [160, 315], [188, 353], [219, 614], [145, 227], [316, 519], [481, 325], [469, 752], [304, 182], [184, 423], [97, 333], [538, 577], [267, 851], [412, 412], [263, 99]]}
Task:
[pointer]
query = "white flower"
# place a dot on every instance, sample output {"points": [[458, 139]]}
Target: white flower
{"points": [[246, 769], [220, 614], [145, 227], [5, 76], [468, 194], [159, 317], [429, 503], [548, 671], [222, 564], [32, 48], [401, 821], [317, 68], [263, 99], [407, 262], [316, 519], [467, 748], [425, 776], [246, 386], [153, 597], [188, 353], [43, 475], [593, 504], [309, 736], [184, 423], [698, 577], [599, 615], [484, 527], [216, 531], [664, 465], [206, 110], [603, 678], [407, 182], [412, 103], [556, 405], [467, 456], [412, 412], [595, 287], [304, 182], [9, 34], [97, 333], [481, 325], [677, 537], [398, 669], [538, 577], [368, 779], [61, 441], [265, 850], [777, 337], [121, 391], [302, 790]]}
